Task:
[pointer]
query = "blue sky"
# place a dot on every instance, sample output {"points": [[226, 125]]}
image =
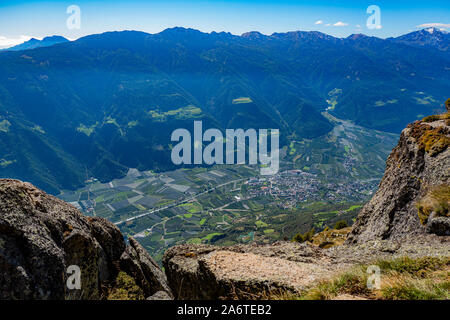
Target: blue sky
{"points": [[20, 20]]}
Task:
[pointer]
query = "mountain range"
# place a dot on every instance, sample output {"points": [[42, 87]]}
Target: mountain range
{"points": [[430, 37], [36, 43], [107, 102]]}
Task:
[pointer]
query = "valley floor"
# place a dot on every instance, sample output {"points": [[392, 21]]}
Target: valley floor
{"points": [[321, 181]]}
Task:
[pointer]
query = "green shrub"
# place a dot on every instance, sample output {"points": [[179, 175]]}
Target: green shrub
{"points": [[434, 141], [307, 236], [125, 288], [341, 225], [431, 118]]}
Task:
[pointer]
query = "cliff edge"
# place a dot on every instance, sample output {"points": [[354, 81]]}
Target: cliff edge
{"points": [[43, 241], [413, 196]]}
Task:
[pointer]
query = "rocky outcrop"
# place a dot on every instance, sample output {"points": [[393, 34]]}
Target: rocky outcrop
{"points": [[420, 162], [41, 237], [160, 295], [245, 271], [137, 261]]}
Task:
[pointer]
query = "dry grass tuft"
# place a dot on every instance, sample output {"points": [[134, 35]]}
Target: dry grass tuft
{"points": [[436, 200], [426, 278]]}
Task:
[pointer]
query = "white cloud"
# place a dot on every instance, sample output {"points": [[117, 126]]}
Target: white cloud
{"points": [[434, 25], [358, 26], [328, 24], [319, 22], [340, 24], [6, 42]]}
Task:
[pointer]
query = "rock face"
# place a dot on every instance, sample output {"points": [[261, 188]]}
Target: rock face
{"points": [[420, 161], [41, 236]]}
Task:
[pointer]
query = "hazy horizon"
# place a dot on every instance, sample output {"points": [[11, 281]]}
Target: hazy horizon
{"points": [[22, 20], [205, 32]]}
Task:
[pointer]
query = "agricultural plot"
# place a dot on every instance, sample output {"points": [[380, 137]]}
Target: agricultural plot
{"points": [[172, 212]]}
